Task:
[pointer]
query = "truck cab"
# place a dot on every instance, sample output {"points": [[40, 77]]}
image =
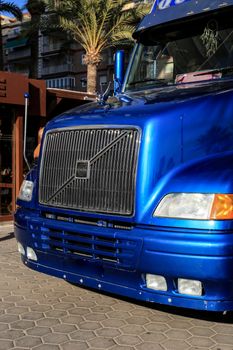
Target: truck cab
{"points": [[134, 196]]}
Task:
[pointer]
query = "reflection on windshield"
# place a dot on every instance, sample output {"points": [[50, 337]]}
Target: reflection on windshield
{"points": [[203, 57]]}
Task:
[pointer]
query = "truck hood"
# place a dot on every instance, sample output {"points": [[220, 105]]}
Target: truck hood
{"points": [[141, 104], [181, 128]]}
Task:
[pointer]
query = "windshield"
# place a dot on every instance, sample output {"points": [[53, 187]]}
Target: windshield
{"points": [[206, 56]]}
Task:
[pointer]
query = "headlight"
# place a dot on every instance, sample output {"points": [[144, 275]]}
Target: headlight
{"points": [[199, 206], [25, 193]]}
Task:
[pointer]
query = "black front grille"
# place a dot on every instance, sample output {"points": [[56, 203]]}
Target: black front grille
{"points": [[90, 170], [107, 248]]}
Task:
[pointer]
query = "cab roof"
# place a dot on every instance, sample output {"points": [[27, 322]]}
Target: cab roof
{"points": [[166, 13]]}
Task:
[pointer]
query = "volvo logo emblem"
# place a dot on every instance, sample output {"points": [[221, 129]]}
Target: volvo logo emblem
{"points": [[82, 170]]}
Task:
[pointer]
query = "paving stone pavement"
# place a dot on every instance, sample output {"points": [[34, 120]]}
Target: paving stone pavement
{"points": [[45, 313]]}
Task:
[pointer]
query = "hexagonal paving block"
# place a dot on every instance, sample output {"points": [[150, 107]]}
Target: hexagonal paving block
{"points": [[82, 335], [9, 318], [63, 306], [38, 331], [226, 339], [79, 311], [47, 347], [40, 308], [28, 342], [217, 347], [95, 317], [175, 345], [120, 347], [72, 319], [137, 320], [156, 327], [70, 299], [13, 298], [128, 339], [85, 303], [33, 316], [223, 328], [149, 346], [108, 332], [3, 327], [22, 324], [89, 325], [17, 310], [64, 328], [49, 322], [118, 314], [179, 324], [101, 343], [114, 323], [155, 337], [56, 313], [142, 312], [202, 331], [55, 338], [178, 334], [132, 329], [101, 309], [201, 342], [11, 334], [123, 306], [6, 344], [160, 317], [74, 345], [201, 323]]}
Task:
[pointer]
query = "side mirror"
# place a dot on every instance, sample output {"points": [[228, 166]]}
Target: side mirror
{"points": [[119, 71]]}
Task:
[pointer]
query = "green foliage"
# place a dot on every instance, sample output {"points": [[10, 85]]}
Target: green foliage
{"points": [[97, 24], [11, 8], [14, 10]]}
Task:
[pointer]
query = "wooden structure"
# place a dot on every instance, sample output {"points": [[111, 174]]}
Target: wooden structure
{"points": [[43, 104]]}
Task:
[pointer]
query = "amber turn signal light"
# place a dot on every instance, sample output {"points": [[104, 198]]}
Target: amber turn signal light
{"points": [[222, 207]]}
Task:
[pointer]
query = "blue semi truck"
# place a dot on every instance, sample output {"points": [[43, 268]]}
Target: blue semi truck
{"points": [[134, 195]]}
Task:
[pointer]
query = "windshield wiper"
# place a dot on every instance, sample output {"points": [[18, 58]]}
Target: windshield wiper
{"points": [[154, 80], [215, 71]]}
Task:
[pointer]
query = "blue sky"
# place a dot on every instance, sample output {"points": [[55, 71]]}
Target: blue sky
{"points": [[20, 3]]}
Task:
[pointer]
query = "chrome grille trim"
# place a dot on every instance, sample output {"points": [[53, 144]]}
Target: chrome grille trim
{"points": [[105, 247], [111, 153]]}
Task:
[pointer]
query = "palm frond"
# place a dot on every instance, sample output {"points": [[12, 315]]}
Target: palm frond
{"points": [[11, 8]]}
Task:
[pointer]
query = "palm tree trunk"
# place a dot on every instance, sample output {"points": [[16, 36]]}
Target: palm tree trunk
{"points": [[1, 47], [91, 78]]}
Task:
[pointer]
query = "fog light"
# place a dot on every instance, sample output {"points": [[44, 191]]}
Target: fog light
{"points": [[21, 249], [156, 282], [31, 254], [191, 287]]}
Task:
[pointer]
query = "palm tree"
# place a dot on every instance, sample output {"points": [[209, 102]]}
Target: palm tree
{"points": [[14, 10], [96, 25], [36, 8]]}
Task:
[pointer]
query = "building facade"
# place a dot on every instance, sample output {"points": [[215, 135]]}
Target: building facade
{"points": [[60, 61]]}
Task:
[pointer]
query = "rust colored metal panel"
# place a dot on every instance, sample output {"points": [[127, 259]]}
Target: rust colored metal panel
{"points": [[12, 88], [37, 102]]}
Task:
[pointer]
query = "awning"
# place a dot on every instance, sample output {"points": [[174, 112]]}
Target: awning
{"points": [[16, 43]]}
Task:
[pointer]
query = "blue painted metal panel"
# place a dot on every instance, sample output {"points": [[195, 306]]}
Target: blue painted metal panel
{"points": [[165, 12]]}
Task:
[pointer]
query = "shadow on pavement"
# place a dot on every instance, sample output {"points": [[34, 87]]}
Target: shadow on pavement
{"points": [[7, 237], [172, 310]]}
